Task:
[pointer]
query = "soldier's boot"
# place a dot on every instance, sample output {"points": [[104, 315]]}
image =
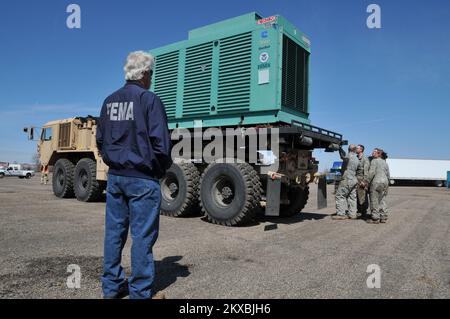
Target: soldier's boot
{"points": [[383, 220], [374, 217]]}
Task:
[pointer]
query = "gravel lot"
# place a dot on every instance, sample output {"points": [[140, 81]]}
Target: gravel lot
{"points": [[308, 256]]}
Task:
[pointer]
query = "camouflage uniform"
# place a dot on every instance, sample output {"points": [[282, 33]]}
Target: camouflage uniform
{"points": [[362, 174], [346, 192], [378, 178]]}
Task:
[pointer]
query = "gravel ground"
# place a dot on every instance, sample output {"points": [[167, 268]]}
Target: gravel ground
{"points": [[307, 256]]}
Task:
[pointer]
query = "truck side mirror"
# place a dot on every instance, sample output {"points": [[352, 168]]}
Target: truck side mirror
{"points": [[30, 131]]}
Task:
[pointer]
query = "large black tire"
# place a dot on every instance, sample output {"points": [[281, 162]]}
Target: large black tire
{"points": [[230, 194], [179, 190], [2, 175], [298, 198], [28, 176], [86, 186], [62, 180]]}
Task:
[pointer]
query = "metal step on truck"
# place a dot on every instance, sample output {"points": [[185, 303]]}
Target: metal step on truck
{"points": [[236, 97]]}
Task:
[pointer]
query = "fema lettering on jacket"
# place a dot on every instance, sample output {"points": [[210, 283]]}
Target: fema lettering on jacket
{"points": [[120, 111]]}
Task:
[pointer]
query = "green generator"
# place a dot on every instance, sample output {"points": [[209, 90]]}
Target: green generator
{"points": [[241, 71], [249, 75]]}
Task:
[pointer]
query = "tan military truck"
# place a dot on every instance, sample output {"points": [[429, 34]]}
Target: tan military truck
{"points": [[69, 146], [217, 188]]}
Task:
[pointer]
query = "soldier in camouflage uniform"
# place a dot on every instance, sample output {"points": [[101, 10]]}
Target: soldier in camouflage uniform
{"points": [[361, 174], [346, 192], [378, 179]]}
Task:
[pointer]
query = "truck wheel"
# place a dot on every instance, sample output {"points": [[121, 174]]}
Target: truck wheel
{"points": [[230, 194], [62, 180], [86, 186], [2, 175], [179, 190], [28, 176], [298, 198]]}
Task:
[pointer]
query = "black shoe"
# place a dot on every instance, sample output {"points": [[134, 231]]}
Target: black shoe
{"points": [[373, 221], [122, 293]]}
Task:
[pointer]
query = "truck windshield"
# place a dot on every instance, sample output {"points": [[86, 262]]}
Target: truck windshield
{"points": [[46, 134]]}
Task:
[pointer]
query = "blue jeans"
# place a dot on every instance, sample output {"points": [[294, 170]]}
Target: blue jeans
{"points": [[135, 203]]}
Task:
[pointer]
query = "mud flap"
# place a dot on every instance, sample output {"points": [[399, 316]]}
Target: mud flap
{"points": [[273, 194], [322, 193]]}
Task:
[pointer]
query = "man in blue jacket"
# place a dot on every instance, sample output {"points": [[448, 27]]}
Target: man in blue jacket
{"points": [[134, 141]]}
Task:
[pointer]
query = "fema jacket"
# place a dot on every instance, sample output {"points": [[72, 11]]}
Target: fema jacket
{"points": [[132, 133]]}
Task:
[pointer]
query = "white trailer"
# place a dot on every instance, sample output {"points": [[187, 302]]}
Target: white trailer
{"points": [[418, 170]]}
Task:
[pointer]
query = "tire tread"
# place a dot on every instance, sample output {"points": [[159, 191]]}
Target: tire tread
{"points": [[252, 196], [96, 191], [69, 167], [190, 203]]}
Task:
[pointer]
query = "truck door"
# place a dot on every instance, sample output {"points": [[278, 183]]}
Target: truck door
{"points": [[45, 145], [9, 171]]}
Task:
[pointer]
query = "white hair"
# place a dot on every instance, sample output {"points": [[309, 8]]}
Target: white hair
{"points": [[137, 63]]}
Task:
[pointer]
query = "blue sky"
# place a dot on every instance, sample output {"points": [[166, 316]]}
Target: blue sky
{"points": [[388, 87]]}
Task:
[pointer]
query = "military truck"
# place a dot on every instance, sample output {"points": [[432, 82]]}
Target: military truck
{"points": [[249, 75]]}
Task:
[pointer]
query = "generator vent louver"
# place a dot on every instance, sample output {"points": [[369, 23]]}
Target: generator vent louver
{"points": [[234, 73], [294, 86], [197, 80], [166, 75]]}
